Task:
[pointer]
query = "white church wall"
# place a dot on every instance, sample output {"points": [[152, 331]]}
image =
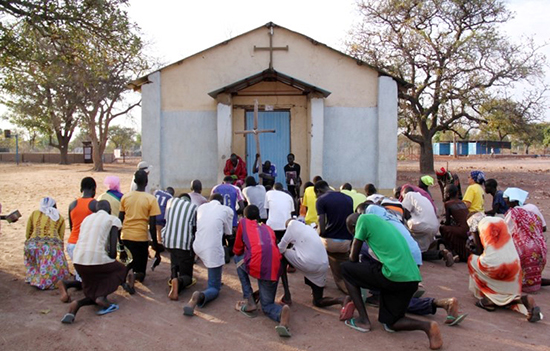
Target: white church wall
{"points": [[151, 127], [350, 146], [387, 133], [189, 148]]}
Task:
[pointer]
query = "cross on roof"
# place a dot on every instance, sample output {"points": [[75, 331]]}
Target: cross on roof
{"points": [[271, 48], [256, 132]]}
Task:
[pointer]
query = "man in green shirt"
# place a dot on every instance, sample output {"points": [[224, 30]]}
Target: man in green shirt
{"points": [[394, 273]]}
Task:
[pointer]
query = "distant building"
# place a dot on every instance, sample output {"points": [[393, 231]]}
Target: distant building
{"points": [[471, 147]]}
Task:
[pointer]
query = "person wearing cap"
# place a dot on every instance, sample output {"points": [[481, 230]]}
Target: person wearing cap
{"points": [[425, 182], [526, 231], [444, 178], [146, 167]]}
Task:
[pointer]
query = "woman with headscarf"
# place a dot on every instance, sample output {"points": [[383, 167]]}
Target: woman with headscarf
{"points": [[113, 194], [446, 177], [495, 275], [425, 182], [474, 198], [44, 258], [526, 230]]}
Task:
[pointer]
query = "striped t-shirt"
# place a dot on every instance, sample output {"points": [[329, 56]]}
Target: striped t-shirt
{"points": [[180, 220]]}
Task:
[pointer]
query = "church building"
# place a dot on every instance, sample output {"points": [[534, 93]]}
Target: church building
{"points": [[336, 114]]}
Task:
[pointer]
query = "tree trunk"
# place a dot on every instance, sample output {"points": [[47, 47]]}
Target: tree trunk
{"points": [[97, 157], [63, 146], [427, 156]]}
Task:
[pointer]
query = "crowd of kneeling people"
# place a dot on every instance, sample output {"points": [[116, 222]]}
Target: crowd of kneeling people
{"points": [[370, 242]]}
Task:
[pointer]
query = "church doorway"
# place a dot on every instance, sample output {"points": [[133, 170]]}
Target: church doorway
{"points": [[274, 146]]}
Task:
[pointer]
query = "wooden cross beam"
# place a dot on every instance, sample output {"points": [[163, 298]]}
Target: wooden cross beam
{"points": [[256, 132], [271, 48]]}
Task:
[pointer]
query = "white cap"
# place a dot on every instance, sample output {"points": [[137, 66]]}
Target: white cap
{"points": [[144, 166]]}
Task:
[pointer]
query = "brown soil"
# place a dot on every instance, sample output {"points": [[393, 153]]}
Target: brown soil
{"points": [[30, 319]]}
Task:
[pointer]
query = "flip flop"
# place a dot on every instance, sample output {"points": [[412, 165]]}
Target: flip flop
{"points": [[193, 282], [486, 308], [68, 318], [452, 321], [188, 311], [249, 314], [347, 311], [113, 307], [351, 323], [129, 289], [388, 329], [283, 331], [536, 315]]}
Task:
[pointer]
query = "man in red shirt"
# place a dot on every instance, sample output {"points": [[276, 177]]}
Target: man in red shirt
{"points": [[236, 168], [257, 255]]}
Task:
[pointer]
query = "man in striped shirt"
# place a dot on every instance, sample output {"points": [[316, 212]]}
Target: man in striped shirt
{"points": [[177, 236]]}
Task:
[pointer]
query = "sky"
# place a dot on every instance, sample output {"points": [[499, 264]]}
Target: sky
{"points": [[175, 29]]}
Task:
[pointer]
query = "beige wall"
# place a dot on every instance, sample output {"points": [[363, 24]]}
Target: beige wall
{"points": [[185, 85]]}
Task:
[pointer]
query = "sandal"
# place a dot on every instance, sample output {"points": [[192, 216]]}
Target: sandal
{"points": [[68, 318], [490, 308], [351, 323], [452, 321], [347, 311], [112, 308], [535, 315]]}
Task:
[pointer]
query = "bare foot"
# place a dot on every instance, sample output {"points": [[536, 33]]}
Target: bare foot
{"points": [[285, 316], [173, 295], [448, 258], [434, 335], [64, 294]]}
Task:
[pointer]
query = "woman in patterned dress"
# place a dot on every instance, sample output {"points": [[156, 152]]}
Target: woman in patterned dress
{"points": [[44, 256]]}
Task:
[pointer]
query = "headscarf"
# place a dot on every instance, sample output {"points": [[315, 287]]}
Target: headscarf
{"points": [[112, 182], [441, 172], [427, 180], [516, 194], [477, 176], [47, 207]]}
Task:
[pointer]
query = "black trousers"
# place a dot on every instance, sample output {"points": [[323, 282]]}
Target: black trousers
{"points": [[140, 255], [181, 266]]}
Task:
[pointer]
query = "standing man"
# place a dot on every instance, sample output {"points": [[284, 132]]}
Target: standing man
{"points": [[78, 210], [177, 237], [333, 208], [213, 221], [292, 176], [196, 197], [146, 167], [235, 167], [138, 211], [395, 275]]}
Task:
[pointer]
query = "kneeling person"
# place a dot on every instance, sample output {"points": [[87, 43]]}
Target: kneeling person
{"points": [[257, 255], [309, 256]]}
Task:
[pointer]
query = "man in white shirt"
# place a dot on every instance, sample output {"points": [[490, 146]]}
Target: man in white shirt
{"points": [[254, 194], [196, 197], [280, 206], [213, 221], [308, 255]]}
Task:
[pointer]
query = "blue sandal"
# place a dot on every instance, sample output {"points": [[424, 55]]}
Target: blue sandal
{"points": [[112, 308]]}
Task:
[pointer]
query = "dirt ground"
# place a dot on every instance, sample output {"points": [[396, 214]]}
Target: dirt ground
{"points": [[148, 320]]}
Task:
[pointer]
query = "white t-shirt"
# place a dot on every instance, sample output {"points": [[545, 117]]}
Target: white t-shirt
{"points": [[213, 221], [280, 206], [423, 223], [255, 195], [308, 253], [90, 250]]}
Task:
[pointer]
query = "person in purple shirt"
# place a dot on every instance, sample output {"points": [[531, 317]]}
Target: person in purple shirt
{"points": [[162, 198]]}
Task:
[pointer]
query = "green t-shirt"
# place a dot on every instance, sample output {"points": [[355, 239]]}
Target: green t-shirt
{"points": [[390, 247]]}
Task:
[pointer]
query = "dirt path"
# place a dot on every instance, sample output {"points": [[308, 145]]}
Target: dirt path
{"points": [[30, 319]]}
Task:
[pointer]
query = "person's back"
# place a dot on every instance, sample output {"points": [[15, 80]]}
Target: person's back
{"points": [[357, 198], [95, 230], [255, 195], [389, 246], [309, 201], [458, 213], [162, 198], [257, 242], [280, 206], [213, 221], [306, 242], [231, 197], [337, 207], [423, 223], [138, 207], [77, 214], [113, 200], [180, 220]]}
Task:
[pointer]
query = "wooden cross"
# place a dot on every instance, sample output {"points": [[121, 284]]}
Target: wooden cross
{"points": [[256, 133], [270, 48]]}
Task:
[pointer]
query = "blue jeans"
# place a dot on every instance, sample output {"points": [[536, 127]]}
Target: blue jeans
{"points": [[268, 290], [214, 285]]}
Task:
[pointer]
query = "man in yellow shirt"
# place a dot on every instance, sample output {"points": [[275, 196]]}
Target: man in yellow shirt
{"points": [[138, 210], [308, 202]]}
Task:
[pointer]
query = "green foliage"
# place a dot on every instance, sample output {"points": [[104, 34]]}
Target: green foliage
{"points": [[451, 54], [122, 137]]}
